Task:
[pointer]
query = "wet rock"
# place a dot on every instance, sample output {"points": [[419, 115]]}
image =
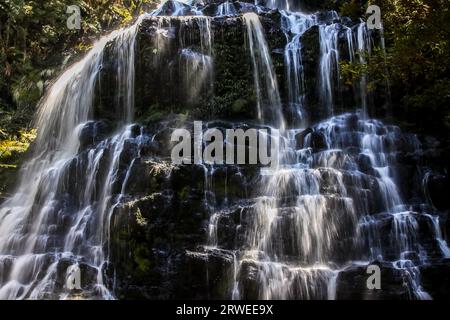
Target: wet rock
{"points": [[88, 273], [420, 236], [300, 138], [207, 274], [6, 262], [92, 133], [351, 284], [147, 176], [246, 6], [232, 71], [210, 9], [311, 58], [412, 256], [163, 212], [317, 141], [230, 183], [327, 17], [365, 164], [437, 187], [249, 287], [435, 279], [227, 228]]}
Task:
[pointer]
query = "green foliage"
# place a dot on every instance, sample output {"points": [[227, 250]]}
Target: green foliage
{"points": [[141, 258], [416, 61], [13, 146], [351, 9], [418, 47], [34, 37], [12, 150], [375, 66]]}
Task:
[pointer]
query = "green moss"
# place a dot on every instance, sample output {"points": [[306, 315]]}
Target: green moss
{"points": [[351, 9], [239, 105], [141, 254], [151, 114], [184, 193]]}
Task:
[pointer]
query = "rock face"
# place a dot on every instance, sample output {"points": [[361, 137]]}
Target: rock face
{"points": [[157, 239], [352, 284]]}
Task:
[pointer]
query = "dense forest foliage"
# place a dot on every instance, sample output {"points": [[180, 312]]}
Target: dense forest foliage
{"points": [[416, 62], [35, 45]]}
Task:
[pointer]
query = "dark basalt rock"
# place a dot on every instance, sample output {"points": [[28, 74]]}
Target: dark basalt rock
{"points": [[317, 141], [437, 187], [249, 286], [327, 17], [88, 274], [351, 284], [365, 165], [310, 57], [435, 279], [210, 9], [300, 138], [207, 274], [93, 132]]}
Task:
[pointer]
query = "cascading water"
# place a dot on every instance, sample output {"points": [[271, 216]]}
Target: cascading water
{"points": [[296, 24], [266, 85], [198, 66], [329, 64], [226, 9], [363, 43], [331, 206], [40, 230]]}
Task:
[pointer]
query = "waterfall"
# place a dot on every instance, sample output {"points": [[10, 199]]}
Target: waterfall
{"points": [[307, 208], [226, 9], [329, 64], [332, 206], [296, 24], [198, 66], [279, 4], [125, 47], [266, 84], [37, 234], [290, 195], [363, 45]]}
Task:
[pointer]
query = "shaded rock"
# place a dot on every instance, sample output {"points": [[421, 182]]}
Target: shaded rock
{"points": [[300, 138], [437, 188], [365, 164], [207, 274], [92, 133], [249, 287], [317, 141], [351, 284], [435, 279]]}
